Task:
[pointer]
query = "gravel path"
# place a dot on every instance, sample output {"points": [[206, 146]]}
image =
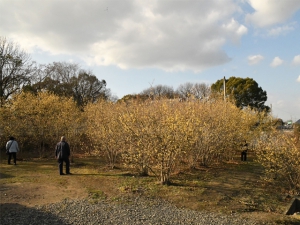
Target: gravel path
{"points": [[134, 211]]}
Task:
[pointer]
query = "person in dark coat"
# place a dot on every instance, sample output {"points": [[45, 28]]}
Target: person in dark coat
{"points": [[62, 153], [244, 152]]}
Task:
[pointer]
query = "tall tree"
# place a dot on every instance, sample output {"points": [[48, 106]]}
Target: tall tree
{"points": [[87, 88], [245, 92], [15, 69]]}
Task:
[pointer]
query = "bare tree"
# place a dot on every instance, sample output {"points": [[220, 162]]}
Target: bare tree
{"points": [[201, 90], [159, 91], [198, 90], [62, 71], [16, 69], [185, 90]]}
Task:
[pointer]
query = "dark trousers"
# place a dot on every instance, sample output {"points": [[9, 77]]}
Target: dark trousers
{"points": [[14, 154], [60, 165], [244, 156]]}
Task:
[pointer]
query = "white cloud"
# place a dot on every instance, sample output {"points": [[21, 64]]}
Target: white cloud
{"points": [[296, 60], [269, 12], [171, 35], [298, 79], [281, 30], [234, 27], [254, 59], [276, 62]]}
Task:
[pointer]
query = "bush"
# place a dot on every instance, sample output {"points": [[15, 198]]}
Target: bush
{"points": [[279, 155]]}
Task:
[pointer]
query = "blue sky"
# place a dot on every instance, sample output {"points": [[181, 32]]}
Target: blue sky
{"points": [[134, 44]]}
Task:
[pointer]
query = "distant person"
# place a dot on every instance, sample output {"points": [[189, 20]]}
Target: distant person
{"points": [[62, 153], [244, 152], [12, 148]]}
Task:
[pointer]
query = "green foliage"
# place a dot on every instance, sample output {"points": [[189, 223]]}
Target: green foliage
{"points": [[244, 92]]}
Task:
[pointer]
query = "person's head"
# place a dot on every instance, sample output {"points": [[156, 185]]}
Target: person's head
{"points": [[63, 138], [11, 138]]}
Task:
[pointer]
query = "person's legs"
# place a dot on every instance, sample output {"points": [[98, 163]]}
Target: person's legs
{"points": [[60, 166], [15, 157], [9, 158], [244, 156], [67, 161]]}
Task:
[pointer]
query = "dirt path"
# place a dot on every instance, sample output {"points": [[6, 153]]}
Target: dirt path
{"points": [[30, 194]]}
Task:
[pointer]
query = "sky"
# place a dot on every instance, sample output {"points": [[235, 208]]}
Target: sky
{"points": [[136, 44]]}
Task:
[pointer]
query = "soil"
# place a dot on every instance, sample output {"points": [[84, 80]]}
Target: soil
{"points": [[38, 183], [31, 194]]}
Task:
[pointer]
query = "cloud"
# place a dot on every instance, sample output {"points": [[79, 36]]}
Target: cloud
{"points": [[171, 35], [254, 59], [276, 62], [296, 60], [268, 13], [298, 79], [280, 30]]}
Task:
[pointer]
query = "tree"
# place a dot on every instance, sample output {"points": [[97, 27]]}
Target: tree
{"points": [[244, 92], [185, 90], [159, 91], [196, 90], [87, 88], [105, 129], [201, 90], [56, 77], [15, 69], [67, 79]]}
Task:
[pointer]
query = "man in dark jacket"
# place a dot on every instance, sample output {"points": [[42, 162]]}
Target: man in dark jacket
{"points": [[62, 153]]}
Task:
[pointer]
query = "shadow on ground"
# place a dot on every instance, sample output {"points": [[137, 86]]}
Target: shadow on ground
{"points": [[3, 175], [19, 214]]}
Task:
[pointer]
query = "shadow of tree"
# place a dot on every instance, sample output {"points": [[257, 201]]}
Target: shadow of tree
{"points": [[19, 214], [3, 175]]}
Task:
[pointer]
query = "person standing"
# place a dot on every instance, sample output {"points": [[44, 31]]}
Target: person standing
{"points": [[12, 148], [62, 153]]}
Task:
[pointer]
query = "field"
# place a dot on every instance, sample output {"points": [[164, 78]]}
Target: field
{"points": [[235, 187]]}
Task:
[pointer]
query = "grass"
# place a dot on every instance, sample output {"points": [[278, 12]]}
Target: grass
{"points": [[230, 188]]}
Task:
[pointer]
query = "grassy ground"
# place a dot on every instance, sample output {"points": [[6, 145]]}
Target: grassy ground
{"points": [[232, 188]]}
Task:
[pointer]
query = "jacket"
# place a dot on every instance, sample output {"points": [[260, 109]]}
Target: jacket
{"points": [[62, 150], [14, 147]]}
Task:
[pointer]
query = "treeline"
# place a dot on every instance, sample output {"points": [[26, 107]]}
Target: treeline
{"points": [[152, 137], [183, 92], [19, 73]]}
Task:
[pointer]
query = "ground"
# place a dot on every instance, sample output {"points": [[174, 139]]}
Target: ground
{"points": [[236, 188]]}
